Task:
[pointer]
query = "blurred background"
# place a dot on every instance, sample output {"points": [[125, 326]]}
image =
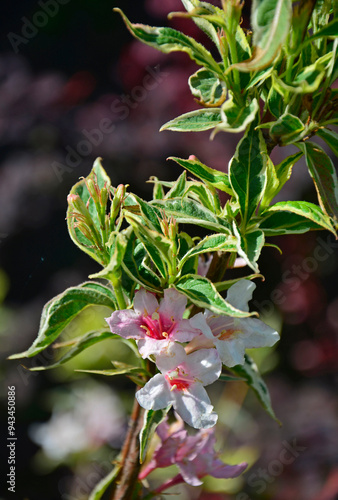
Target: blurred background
{"points": [[74, 85]]}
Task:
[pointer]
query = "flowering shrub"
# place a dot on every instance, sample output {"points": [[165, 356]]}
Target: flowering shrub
{"points": [[161, 279]]}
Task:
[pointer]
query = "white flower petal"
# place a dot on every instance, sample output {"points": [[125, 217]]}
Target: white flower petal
{"points": [[199, 321], [148, 346], [231, 351], [257, 334], [240, 294], [205, 365], [194, 407], [173, 356], [156, 394]]}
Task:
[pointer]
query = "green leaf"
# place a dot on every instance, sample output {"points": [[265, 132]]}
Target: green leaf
{"points": [[275, 102], [187, 211], [169, 40], [152, 418], [330, 30], [178, 188], [271, 21], [102, 485], [157, 245], [324, 176], [122, 369], [98, 251], [271, 187], [288, 217], [212, 243], [236, 117], [210, 176], [185, 243], [207, 88], [203, 24], [205, 195], [284, 169], [249, 372], [330, 137], [82, 343], [115, 263], [59, 311], [201, 292], [305, 209], [194, 121], [249, 246], [135, 268], [247, 172], [287, 129], [307, 80]]}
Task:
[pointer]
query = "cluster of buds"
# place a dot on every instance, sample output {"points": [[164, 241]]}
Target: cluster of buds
{"points": [[92, 219]]}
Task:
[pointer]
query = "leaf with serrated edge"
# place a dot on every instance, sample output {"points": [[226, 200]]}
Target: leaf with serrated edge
{"points": [[169, 40], [88, 339], [98, 175], [212, 243], [152, 418], [59, 311], [207, 88], [201, 292], [236, 118], [188, 211], [247, 171], [214, 178], [271, 23], [249, 246], [249, 372], [330, 137], [306, 210], [324, 176], [194, 121]]}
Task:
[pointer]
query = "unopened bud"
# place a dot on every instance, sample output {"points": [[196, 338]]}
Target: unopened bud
{"points": [[117, 202]]}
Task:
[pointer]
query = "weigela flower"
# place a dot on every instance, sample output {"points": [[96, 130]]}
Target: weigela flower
{"points": [[180, 384], [195, 456], [154, 325], [231, 336]]}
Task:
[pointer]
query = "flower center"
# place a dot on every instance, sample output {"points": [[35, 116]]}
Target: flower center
{"points": [[226, 334], [158, 327], [179, 379]]}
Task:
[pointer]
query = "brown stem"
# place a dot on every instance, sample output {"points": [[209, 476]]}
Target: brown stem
{"points": [[130, 463]]}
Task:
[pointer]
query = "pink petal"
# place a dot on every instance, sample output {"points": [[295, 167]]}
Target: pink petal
{"points": [[173, 304], [126, 323], [145, 303]]}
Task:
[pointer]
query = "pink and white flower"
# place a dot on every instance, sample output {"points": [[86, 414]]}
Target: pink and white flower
{"points": [[195, 456], [152, 324], [231, 336], [181, 384]]}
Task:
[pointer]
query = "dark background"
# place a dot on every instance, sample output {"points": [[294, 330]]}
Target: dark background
{"points": [[57, 84]]}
